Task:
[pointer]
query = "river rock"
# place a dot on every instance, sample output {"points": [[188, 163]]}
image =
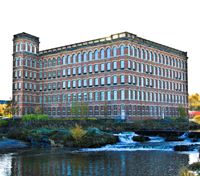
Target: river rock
{"points": [[141, 138]]}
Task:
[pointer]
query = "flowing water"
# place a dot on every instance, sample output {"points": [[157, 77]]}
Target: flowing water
{"points": [[126, 158]]}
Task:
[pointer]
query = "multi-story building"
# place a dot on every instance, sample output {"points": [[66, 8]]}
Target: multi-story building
{"points": [[122, 76]]}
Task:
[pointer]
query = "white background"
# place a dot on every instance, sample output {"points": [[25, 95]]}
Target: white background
{"points": [[175, 23]]}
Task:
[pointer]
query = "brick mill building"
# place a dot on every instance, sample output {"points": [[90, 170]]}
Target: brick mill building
{"points": [[122, 76]]}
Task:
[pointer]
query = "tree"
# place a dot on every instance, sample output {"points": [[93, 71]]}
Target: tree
{"points": [[11, 108], [79, 109], [182, 112], [194, 102]]}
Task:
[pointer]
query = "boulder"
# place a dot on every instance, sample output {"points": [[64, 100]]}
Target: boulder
{"points": [[141, 138]]}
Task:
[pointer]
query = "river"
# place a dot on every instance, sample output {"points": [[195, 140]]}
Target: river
{"points": [[126, 158]]}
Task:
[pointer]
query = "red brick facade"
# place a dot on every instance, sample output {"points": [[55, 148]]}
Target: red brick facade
{"points": [[121, 76]]}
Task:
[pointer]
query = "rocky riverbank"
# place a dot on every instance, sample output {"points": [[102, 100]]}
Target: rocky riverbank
{"points": [[44, 137]]}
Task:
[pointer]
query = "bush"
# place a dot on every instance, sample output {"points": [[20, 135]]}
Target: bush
{"points": [[77, 132], [29, 117], [3, 123], [195, 166]]}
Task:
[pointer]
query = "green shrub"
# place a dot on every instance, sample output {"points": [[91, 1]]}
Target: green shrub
{"points": [[3, 123], [29, 117], [195, 166], [77, 132]]}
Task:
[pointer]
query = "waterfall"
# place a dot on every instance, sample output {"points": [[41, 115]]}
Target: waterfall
{"points": [[126, 137]]}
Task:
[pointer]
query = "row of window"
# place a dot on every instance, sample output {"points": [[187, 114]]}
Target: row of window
{"points": [[103, 81], [142, 68], [28, 47], [115, 52], [113, 110], [102, 54], [114, 95]]}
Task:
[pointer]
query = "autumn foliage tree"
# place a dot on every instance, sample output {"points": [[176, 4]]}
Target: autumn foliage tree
{"points": [[194, 102]]}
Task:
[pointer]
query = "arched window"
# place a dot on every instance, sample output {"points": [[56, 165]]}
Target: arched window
{"points": [[108, 53], [54, 62], [58, 61], [79, 57], [139, 53], [84, 56], [133, 50], [151, 56], [147, 54], [143, 54], [49, 63], [64, 60], [96, 54], [90, 55], [155, 57], [45, 63], [102, 54], [122, 50], [74, 58], [40, 64], [129, 50], [115, 51]]}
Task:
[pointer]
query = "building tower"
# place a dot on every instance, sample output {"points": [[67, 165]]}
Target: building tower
{"points": [[25, 72]]}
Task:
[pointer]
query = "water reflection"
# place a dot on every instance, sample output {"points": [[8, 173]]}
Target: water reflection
{"points": [[56, 162]]}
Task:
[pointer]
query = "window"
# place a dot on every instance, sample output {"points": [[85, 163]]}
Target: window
{"points": [[59, 61], [96, 94], [108, 66], [90, 55], [84, 56], [102, 54], [68, 59], [102, 81], [115, 51], [90, 82], [68, 84], [129, 64], [114, 79], [122, 95], [74, 71], [114, 95], [79, 70], [122, 50], [64, 73], [143, 54], [79, 57], [68, 72], [96, 55], [85, 69], [74, 58], [74, 83], [79, 83], [85, 82], [90, 68], [122, 77], [108, 53], [129, 79], [115, 65], [108, 95], [102, 94], [102, 67], [122, 64], [96, 81], [108, 80], [63, 84], [96, 68], [54, 62]]}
